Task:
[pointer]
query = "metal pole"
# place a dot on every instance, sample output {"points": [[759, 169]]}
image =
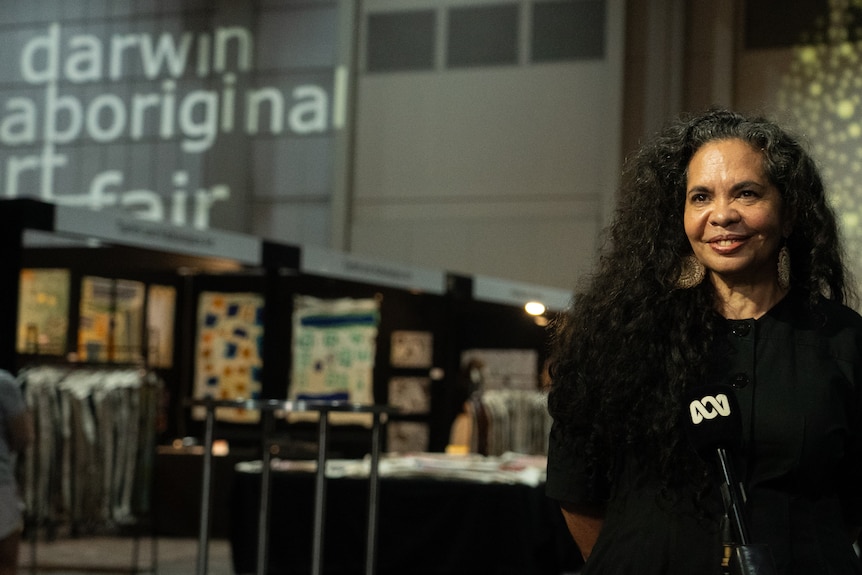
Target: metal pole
{"points": [[320, 493], [373, 489], [206, 486], [263, 511]]}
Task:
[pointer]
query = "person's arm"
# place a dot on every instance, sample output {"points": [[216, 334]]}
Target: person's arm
{"points": [[584, 523], [19, 431]]}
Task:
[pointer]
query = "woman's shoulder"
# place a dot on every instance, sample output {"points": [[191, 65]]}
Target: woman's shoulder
{"points": [[835, 327], [817, 322], [838, 315]]}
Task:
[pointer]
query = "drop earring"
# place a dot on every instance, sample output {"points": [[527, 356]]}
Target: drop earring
{"points": [[784, 267], [691, 274]]}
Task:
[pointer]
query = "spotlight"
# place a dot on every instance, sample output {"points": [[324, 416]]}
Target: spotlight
{"points": [[534, 308]]}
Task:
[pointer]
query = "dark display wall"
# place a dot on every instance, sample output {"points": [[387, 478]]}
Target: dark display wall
{"points": [[433, 306]]}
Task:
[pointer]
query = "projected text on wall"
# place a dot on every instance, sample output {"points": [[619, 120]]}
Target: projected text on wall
{"points": [[143, 111]]}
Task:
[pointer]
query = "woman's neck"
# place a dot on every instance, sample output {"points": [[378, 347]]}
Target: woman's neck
{"points": [[742, 301]]}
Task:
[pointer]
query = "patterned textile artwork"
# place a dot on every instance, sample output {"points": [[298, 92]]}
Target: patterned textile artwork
{"points": [[161, 307], [412, 395], [229, 354], [111, 320], [334, 343], [43, 311], [407, 437]]}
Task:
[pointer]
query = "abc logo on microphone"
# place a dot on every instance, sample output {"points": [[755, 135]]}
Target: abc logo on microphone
{"points": [[709, 407], [712, 415]]}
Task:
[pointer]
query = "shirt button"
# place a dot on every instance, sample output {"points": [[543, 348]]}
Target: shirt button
{"points": [[740, 380], [740, 328]]}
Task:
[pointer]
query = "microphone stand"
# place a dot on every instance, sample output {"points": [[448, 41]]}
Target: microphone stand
{"points": [[732, 496], [747, 558]]}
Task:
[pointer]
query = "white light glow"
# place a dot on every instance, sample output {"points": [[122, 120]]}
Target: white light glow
{"points": [[534, 308]]}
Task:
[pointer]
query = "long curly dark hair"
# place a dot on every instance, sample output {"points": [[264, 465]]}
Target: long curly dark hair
{"points": [[632, 344]]}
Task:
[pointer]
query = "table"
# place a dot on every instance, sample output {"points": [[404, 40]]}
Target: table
{"points": [[268, 408], [427, 527], [176, 503]]}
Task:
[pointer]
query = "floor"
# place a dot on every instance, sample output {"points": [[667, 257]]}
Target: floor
{"points": [[164, 556], [113, 555]]}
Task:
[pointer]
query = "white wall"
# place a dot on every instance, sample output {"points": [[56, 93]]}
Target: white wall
{"points": [[506, 171]]}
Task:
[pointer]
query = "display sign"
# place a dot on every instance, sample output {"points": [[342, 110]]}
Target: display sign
{"points": [[127, 230], [332, 263], [517, 293]]}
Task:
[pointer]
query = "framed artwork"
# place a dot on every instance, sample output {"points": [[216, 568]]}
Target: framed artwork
{"points": [[161, 310], [406, 437], [229, 351], [111, 320], [334, 342], [412, 349], [43, 311], [410, 394]]}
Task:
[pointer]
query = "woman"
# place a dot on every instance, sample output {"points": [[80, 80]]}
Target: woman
{"points": [[723, 266]]}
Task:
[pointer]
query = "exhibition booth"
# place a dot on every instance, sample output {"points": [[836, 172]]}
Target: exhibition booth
{"points": [[301, 402]]}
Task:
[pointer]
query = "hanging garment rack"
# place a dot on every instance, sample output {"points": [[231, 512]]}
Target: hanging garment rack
{"points": [[86, 418]]}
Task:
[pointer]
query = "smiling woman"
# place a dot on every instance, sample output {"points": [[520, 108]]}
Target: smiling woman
{"points": [[722, 280], [736, 223]]}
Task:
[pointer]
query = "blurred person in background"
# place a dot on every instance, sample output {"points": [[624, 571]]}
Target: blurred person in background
{"points": [[16, 435]]}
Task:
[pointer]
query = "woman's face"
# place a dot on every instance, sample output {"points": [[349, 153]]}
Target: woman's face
{"points": [[734, 216]]}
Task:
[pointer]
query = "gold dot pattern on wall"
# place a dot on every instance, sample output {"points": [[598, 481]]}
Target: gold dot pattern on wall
{"points": [[822, 94]]}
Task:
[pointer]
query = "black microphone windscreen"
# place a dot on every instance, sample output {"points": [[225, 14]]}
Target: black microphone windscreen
{"points": [[712, 417]]}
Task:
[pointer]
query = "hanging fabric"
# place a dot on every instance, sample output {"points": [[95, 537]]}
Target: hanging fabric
{"points": [[508, 420], [90, 466]]}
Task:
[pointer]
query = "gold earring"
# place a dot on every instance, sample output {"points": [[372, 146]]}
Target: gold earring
{"points": [[784, 268], [692, 273]]}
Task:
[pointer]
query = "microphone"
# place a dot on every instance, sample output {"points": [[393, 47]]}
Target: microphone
{"points": [[714, 424]]}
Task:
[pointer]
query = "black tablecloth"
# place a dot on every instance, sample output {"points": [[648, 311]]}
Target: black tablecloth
{"points": [[426, 526], [177, 493]]}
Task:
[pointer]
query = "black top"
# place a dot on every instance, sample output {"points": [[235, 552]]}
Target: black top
{"points": [[798, 381]]}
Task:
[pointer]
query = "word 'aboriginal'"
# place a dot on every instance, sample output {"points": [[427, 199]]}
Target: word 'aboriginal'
{"points": [[709, 407]]}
